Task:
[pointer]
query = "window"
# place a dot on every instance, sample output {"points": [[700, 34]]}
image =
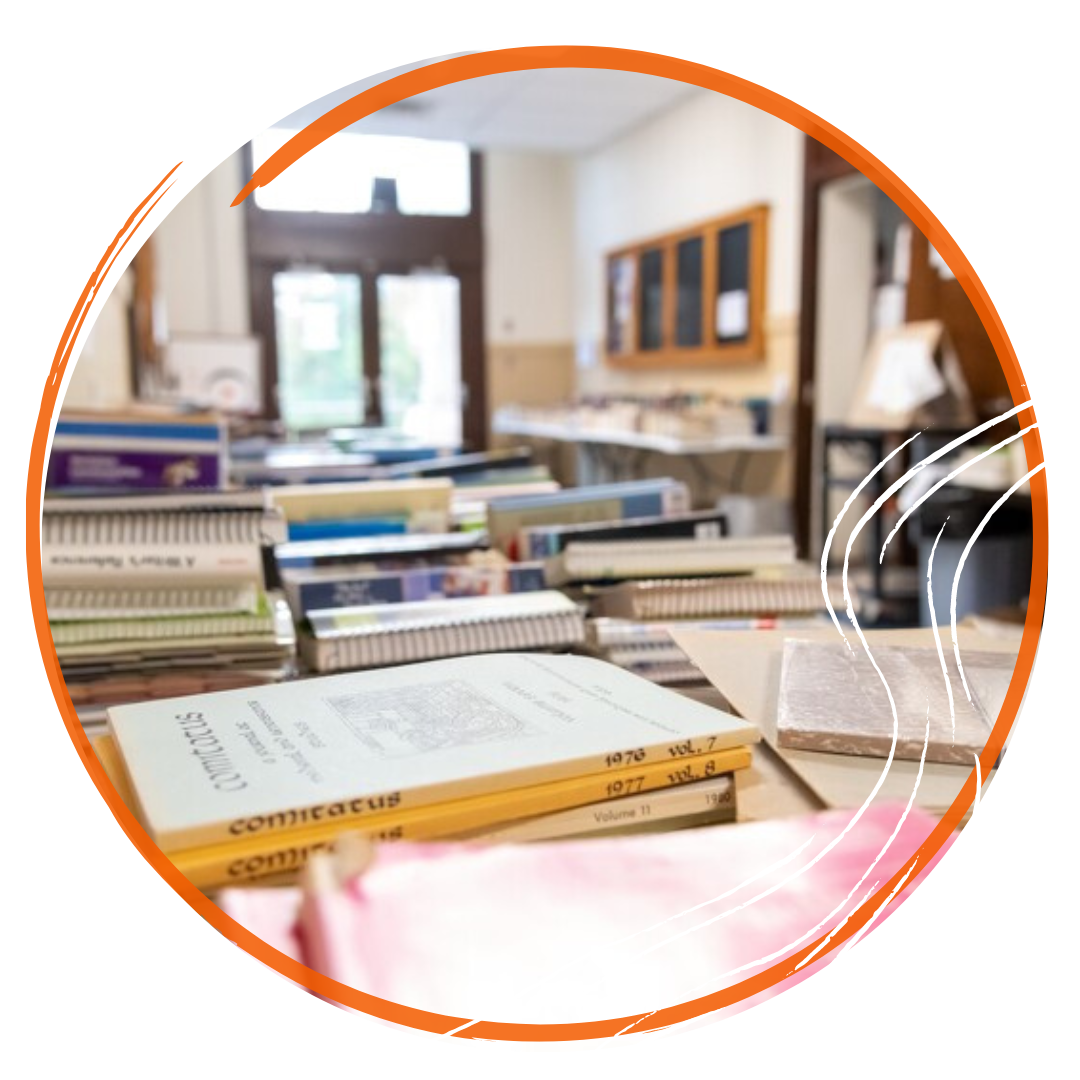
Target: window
{"points": [[371, 315], [338, 176]]}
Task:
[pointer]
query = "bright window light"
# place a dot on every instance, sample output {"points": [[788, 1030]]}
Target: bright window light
{"points": [[336, 176]]}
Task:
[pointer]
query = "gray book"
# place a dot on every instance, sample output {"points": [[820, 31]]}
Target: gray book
{"points": [[832, 699]]}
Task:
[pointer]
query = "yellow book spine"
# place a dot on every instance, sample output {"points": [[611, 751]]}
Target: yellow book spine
{"points": [[221, 865], [109, 756], [307, 502]]}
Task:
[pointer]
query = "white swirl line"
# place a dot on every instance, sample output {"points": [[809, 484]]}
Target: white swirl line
{"points": [[836, 524], [963, 559], [746, 1033], [888, 493], [937, 633], [932, 914], [945, 479]]}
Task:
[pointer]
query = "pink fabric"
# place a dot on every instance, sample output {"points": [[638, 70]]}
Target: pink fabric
{"points": [[587, 929]]}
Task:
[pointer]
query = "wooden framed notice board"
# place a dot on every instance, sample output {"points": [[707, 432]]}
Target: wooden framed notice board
{"points": [[695, 297]]}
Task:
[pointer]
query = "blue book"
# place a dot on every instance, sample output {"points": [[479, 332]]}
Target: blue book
{"points": [[342, 529], [318, 592]]}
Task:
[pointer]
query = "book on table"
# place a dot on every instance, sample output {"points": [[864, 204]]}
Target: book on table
{"points": [[274, 855], [365, 508], [309, 591], [548, 541], [302, 761], [343, 639], [151, 593], [508, 518], [142, 448]]}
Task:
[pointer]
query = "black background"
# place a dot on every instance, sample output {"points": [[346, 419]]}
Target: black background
{"points": [[119, 953]]}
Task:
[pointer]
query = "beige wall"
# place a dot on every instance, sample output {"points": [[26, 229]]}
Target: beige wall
{"points": [[201, 269], [529, 293], [101, 377], [202, 260], [707, 156]]}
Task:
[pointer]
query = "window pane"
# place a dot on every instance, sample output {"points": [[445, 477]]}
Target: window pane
{"points": [[336, 177], [621, 273], [733, 269], [320, 373], [688, 308], [652, 299], [420, 355]]}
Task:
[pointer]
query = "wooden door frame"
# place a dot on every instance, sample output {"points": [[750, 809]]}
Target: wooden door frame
{"points": [[370, 244], [821, 166]]}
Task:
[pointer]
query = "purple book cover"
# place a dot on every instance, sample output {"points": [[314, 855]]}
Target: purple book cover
{"points": [[133, 469]]}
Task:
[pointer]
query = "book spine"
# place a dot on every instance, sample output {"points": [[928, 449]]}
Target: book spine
{"points": [[270, 854], [723, 816], [348, 528], [136, 526], [72, 431], [406, 644], [192, 467], [175, 628], [405, 586], [163, 567], [689, 759], [81, 605], [655, 807], [330, 502]]}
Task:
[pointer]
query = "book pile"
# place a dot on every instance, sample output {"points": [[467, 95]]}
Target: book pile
{"points": [[633, 621], [632, 555], [142, 449], [358, 615], [246, 786], [158, 595], [399, 597], [512, 522]]}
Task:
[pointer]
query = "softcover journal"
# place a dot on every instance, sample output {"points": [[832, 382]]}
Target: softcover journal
{"points": [[219, 767]]}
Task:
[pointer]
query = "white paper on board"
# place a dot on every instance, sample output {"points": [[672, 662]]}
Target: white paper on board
{"points": [[906, 377], [733, 314]]}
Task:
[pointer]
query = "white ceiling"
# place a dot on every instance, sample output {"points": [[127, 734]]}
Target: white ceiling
{"points": [[558, 110]]}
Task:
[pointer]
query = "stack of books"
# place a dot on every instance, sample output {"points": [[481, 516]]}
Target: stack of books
{"points": [[140, 449], [153, 596], [381, 635], [511, 521], [397, 599], [246, 786], [356, 614], [632, 622]]}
